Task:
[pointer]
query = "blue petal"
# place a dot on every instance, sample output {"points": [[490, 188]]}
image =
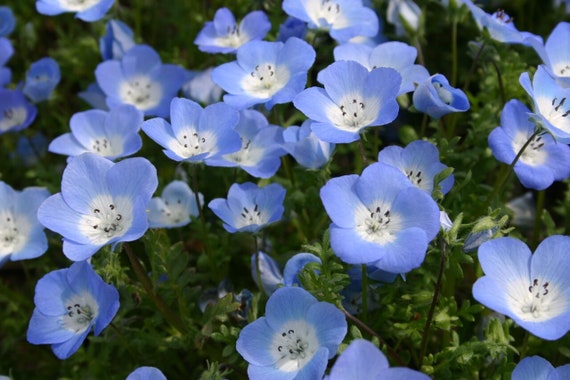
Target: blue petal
{"points": [[49, 293], [532, 368], [405, 253], [360, 360], [44, 329], [296, 264], [56, 215], [354, 52], [65, 349], [330, 324], [287, 304], [341, 201], [255, 343], [342, 78], [133, 178]]}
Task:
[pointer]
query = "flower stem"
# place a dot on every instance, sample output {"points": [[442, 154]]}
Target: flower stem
{"points": [[473, 66], [538, 218], [454, 51], [202, 216], [364, 292]]}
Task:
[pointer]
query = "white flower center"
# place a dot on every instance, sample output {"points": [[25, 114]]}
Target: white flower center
{"points": [[174, 212], [294, 346], [13, 117], [533, 154], [103, 146], [251, 216], [190, 143], [265, 80], [444, 94], [501, 18], [233, 37], [108, 219], [80, 310], [12, 238], [141, 92], [248, 155], [555, 112], [77, 5], [375, 224], [353, 112], [326, 14], [563, 69], [541, 302]]}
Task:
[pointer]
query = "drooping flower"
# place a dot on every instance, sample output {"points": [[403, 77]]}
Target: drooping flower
{"points": [[146, 373], [16, 113], [265, 73], [21, 235], [542, 162], [225, 35], [174, 207], [393, 54], [435, 97], [248, 207], [380, 218], [86, 10], [269, 273], [292, 27], [532, 289], [41, 79], [419, 161], [295, 339], [362, 360], [7, 21], [306, 148], [200, 88], [140, 79], [69, 303], [118, 39], [405, 15], [343, 19], [100, 203], [112, 134], [538, 368], [195, 134], [353, 98]]}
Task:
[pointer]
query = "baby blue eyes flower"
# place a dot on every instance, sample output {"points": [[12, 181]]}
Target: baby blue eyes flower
{"points": [[404, 15], [174, 207], [69, 303], [16, 113], [225, 35], [269, 272], [7, 21], [380, 218], [295, 339], [353, 98], [118, 39], [140, 79], [248, 207], [112, 134], [542, 162], [6, 51], [21, 235], [537, 368], [200, 88], [41, 79], [86, 10], [532, 289], [265, 73], [195, 134], [146, 373], [305, 147], [344, 19], [435, 97], [100, 203]]}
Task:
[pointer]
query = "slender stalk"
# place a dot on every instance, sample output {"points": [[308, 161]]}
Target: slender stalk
{"points": [[362, 152], [524, 346], [538, 218], [500, 82], [202, 216], [454, 51], [473, 66], [364, 292], [257, 266]]}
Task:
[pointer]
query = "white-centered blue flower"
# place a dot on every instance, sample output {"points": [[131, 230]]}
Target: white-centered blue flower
{"points": [[118, 39], [532, 289], [555, 53], [435, 97], [146, 373], [306, 148], [6, 51], [405, 15], [175, 206], [16, 113], [86, 10], [538, 368], [41, 79]]}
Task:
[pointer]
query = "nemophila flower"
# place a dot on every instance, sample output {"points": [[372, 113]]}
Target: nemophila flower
{"points": [[194, 133], [94, 96], [554, 53], [265, 73], [7, 21], [6, 51], [532, 289], [175, 206], [248, 207], [112, 134], [353, 98], [542, 162], [69, 304], [538, 368], [524, 210], [306, 148], [295, 339], [100, 203], [475, 238], [550, 107], [343, 19], [200, 88], [16, 113], [435, 97], [269, 272], [118, 39], [41, 79], [30, 150], [419, 161], [86, 10], [292, 27], [380, 218], [393, 54], [225, 35], [261, 146], [146, 373], [445, 221], [140, 79], [294, 265], [21, 235], [405, 15], [362, 360]]}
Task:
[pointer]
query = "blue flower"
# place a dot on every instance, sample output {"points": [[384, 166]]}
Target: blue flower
{"points": [[344, 19], [41, 79], [305, 147], [118, 39], [292, 27], [353, 98], [100, 203], [295, 339], [112, 134], [225, 35], [554, 53], [6, 51], [405, 15], [146, 373], [30, 150], [419, 161], [265, 73], [269, 272], [248, 207], [94, 96], [69, 303], [195, 134], [294, 265], [363, 360], [537, 368], [532, 289], [550, 107], [200, 88], [380, 218], [435, 97], [89, 11], [16, 113], [140, 79], [21, 235], [174, 207], [261, 146], [7, 21], [394, 54], [542, 162]]}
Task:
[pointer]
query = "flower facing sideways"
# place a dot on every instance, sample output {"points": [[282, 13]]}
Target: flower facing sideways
{"points": [[86, 10], [175, 207], [435, 97], [69, 303], [532, 289]]}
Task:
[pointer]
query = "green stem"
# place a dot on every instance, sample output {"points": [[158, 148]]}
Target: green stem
{"points": [[364, 292], [454, 51], [500, 82], [538, 218], [362, 152], [524, 346], [473, 66], [202, 216]]}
